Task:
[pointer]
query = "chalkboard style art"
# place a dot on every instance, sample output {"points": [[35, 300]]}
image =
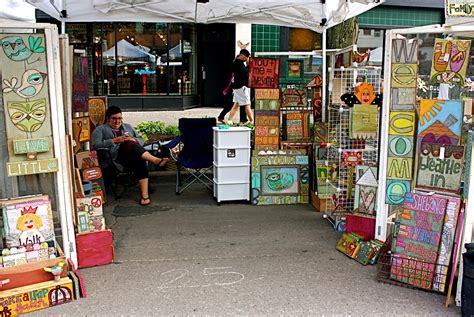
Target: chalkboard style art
{"points": [[25, 91], [450, 60], [415, 249]]}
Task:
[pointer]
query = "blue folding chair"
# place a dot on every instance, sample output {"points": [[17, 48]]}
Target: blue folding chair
{"points": [[193, 151]]}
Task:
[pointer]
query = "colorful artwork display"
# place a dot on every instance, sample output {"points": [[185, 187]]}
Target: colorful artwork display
{"points": [[294, 69], [296, 125], [80, 131], [264, 72], [97, 107], [26, 103], [80, 86], [27, 220], [267, 119], [440, 121], [366, 190], [419, 237], [400, 156], [90, 214], [28, 299], [315, 87], [450, 60], [447, 242], [293, 97], [440, 167], [349, 244], [281, 177]]}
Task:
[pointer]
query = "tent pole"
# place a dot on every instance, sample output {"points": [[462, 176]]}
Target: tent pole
{"points": [[324, 77]]}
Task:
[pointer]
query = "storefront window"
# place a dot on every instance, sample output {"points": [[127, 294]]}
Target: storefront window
{"points": [[135, 58]]}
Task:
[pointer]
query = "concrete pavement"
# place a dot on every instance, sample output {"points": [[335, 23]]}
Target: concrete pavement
{"points": [[184, 255]]}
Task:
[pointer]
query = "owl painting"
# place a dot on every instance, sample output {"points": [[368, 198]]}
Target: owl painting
{"points": [[27, 116]]}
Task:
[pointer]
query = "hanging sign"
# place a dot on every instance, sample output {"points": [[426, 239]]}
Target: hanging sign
{"points": [[459, 8]]}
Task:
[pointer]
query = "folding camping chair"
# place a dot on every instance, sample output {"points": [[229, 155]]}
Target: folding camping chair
{"points": [[193, 151], [116, 181]]}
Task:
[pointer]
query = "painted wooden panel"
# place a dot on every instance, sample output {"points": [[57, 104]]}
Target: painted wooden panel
{"points": [[90, 214], [366, 190], [403, 99], [264, 72], [97, 107], [447, 241], [80, 86], [280, 178], [419, 237], [405, 51], [440, 121], [293, 97], [27, 220], [363, 123], [440, 167], [450, 60], [25, 92], [31, 298], [404, 75]]}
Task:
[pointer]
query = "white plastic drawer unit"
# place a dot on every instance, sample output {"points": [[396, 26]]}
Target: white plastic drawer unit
{"points": [[231, 156], [235, 174], [233, 137], [231, 191]]}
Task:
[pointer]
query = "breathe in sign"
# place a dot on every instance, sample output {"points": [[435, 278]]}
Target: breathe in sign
{"points": [[264, 72]]}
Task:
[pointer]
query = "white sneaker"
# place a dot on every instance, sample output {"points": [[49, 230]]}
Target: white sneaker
{"points": [[230, 122]]}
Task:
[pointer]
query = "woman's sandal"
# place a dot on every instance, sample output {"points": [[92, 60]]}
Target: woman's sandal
{"points": [[145, 201]]}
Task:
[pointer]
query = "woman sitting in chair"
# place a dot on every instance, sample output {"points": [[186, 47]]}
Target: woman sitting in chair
{"points": [[126, 149]]}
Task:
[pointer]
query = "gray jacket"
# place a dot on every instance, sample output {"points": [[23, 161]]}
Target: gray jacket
{"points": [[103, 135]]}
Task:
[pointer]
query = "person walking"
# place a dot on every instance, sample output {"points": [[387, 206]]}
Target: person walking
{"points": [[240, 86]]}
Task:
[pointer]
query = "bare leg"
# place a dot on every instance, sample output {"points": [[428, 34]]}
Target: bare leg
{"points": [[147, 156], [233, 111], [249, 113], [143, 187]]}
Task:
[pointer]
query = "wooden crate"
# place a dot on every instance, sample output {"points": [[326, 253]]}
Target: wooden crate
{"points": [[34, 297], [320, 204], [95, 248], [31, 273]]}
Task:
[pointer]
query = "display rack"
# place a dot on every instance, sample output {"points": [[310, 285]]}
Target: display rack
{"points": [[344, 153]]}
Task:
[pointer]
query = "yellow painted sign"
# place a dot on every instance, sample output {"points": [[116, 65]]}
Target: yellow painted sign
{"points": [[459, 8], [32, 167], [31, 298]]}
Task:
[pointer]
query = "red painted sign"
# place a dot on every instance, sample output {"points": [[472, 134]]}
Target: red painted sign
{"points": [[264, 72]]}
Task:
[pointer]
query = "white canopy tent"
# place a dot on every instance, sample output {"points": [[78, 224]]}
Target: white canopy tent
{"points": [[316, 15], [128, 51]]}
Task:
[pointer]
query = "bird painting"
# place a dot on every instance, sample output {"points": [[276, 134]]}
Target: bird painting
{"points": [[15, 48], [31, 84], [56, 270], [279, 181]]}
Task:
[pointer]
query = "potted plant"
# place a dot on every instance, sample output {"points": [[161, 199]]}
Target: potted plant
{"points": [[153, 131]]}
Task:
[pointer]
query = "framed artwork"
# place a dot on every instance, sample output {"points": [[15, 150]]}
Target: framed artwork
{"points": [[280, 180], [294, 69]]}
